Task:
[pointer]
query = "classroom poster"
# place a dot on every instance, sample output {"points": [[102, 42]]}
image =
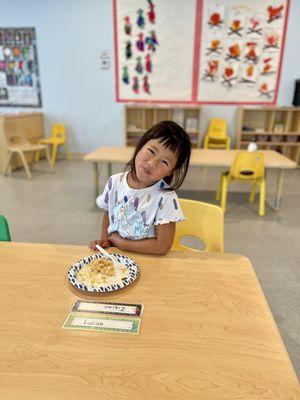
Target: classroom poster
{"points": [[199, 51], [241, 45], [19, 73], [154, 49]]}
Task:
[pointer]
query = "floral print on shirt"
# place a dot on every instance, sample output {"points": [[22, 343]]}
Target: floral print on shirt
{"points": [[128, 221]]}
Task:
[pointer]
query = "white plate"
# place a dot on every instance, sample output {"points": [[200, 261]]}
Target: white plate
{"points": [[78, 265]]}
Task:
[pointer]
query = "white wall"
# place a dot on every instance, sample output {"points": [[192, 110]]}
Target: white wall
{"points": [[76, 91]]}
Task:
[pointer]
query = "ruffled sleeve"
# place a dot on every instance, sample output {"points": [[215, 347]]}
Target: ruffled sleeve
{"points": [[168, 209], [102, 201]]}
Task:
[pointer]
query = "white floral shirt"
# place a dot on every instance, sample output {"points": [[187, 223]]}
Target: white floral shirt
{"points": [[133, 213]]}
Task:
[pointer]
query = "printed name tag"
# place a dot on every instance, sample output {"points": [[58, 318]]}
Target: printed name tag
{"points": [[130, 310], [102, 323]]}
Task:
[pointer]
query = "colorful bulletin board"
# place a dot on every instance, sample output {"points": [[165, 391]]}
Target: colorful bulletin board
{"points": [[19, 73], [199, 51]]}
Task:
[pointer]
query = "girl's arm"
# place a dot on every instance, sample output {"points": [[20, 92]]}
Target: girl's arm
{"points": [[104, 240], [105, 225], [159, 245]]}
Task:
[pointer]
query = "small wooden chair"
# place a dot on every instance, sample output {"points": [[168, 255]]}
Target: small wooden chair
{"points": [[17, 143], [204, 221]]}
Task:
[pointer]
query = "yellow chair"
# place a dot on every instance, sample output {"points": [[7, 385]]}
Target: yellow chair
{"points": [[58, 138], [247, 167], [205, 222], [17, 143], [216, 137]]}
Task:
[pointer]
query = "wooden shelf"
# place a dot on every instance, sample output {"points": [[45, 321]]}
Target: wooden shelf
{"points": [[274, 121], [135, 130], [139, 118], [270, 133], [272, 143]]}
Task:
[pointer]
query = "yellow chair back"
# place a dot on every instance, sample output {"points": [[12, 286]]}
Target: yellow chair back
{"points": [[58, 138], [58, 132], [247, 166], [205, 222], [217, 128]]}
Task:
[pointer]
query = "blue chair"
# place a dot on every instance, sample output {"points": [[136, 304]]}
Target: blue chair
{"points": [[4, 230]]}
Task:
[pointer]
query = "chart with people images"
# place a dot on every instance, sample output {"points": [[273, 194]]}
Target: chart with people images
{"points": [[204, 52], [19, 73], [154, 49]]}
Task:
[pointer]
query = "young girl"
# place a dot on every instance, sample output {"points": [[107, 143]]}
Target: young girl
{"points": [[141, 206]]}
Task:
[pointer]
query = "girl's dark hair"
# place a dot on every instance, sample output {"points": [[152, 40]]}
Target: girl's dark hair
{"points": [[173, 137]]}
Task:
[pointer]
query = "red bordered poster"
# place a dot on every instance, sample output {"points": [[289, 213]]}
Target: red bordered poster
{"points": [[199, 51]]}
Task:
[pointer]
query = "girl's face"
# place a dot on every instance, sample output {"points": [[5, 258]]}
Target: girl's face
{"points": [[154, 162]]}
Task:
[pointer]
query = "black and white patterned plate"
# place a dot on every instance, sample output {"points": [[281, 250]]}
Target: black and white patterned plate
{"points": [[78, 265]]}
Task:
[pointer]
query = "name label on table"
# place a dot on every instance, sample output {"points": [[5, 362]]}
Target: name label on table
{"points": [[131, 310], [102, 323]]}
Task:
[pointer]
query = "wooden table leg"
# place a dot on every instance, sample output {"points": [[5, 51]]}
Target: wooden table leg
{"points": [[96, 180], [279, 190], [109, 170]]}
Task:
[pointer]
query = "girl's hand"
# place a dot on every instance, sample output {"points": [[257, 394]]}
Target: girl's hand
{"points": [[116, 240], [102, 243]]}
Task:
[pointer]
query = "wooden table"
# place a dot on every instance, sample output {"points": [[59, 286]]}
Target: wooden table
{"points": [[199, 158], [206, 332]]}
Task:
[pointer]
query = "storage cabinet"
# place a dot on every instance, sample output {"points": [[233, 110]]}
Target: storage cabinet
{"points": [[276, 128], [139, 118], [30, 123]]}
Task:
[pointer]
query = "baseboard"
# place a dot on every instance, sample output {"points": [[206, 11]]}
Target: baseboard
{"points": [[77, 156]]}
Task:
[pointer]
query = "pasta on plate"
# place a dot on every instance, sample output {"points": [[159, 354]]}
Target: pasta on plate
{"points": [[101, 272]]}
